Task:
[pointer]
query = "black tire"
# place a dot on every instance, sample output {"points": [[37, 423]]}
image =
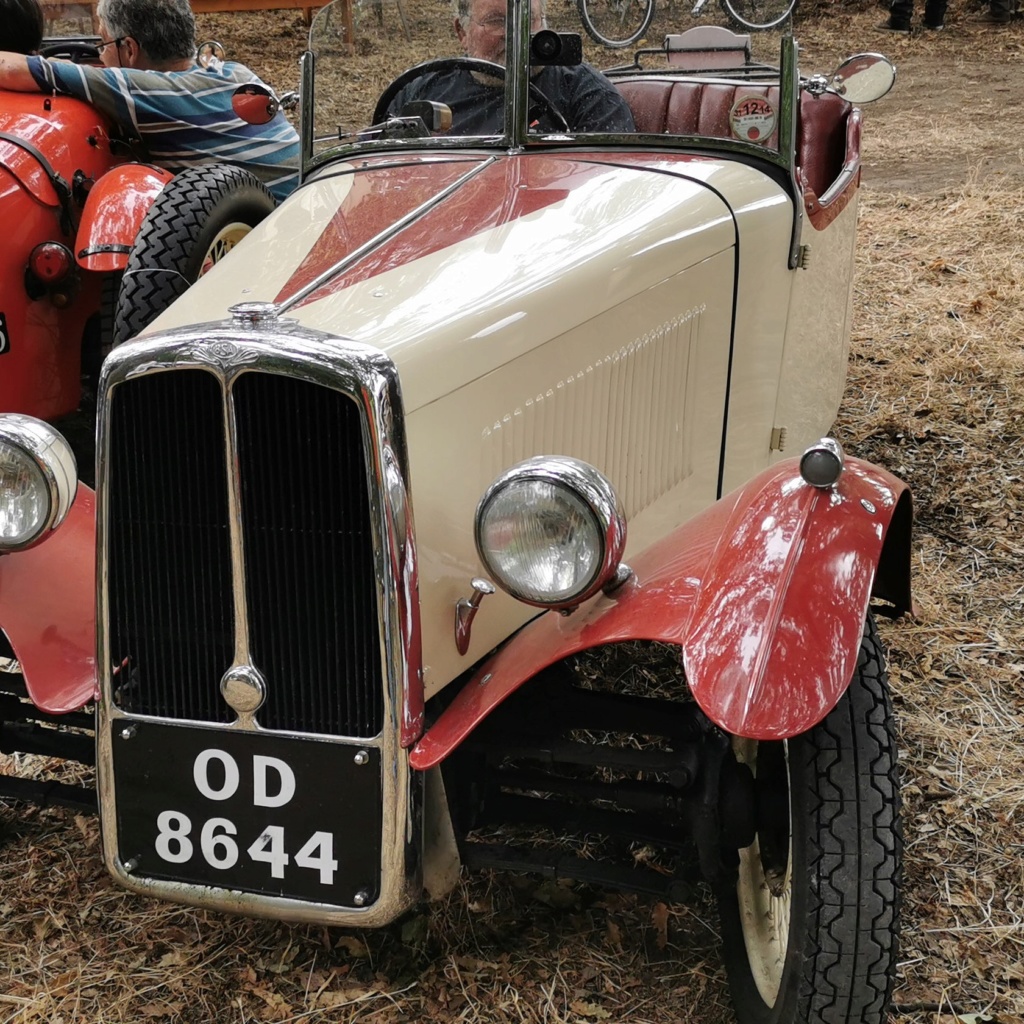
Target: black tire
{"points": [[200, 214], [830, 951], [616, 23], [758, 15]]}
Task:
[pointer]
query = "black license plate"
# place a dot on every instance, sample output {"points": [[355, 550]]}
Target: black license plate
{"points": [[249, 811]]}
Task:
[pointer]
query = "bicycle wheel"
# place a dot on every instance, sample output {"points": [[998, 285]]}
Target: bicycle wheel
{"points": [[616, 23], [758, 15]]}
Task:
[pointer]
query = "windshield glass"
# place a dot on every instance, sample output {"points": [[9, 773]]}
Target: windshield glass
{"points": [[429, 72]]}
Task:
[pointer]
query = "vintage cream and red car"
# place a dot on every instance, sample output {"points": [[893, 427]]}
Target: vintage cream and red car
{"points": [[460, 411]]}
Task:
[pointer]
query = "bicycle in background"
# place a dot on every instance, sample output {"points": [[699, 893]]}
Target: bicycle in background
{"points": [[620, 23]]}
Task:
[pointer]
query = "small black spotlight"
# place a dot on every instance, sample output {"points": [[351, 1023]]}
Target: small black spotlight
{"points": [[562, 48]]}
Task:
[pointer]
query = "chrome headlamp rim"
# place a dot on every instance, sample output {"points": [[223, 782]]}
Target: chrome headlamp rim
{"points": [[51, 454], [594, 490]]}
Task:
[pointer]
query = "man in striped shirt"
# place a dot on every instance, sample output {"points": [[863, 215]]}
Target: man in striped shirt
{"points": [[152, 86]]}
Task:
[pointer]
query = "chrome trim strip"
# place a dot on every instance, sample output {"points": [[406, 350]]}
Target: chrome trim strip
{"points": [[517, 103], [379, 239], [307, 68], [368, 377], [789, 99], [843, 179], [243, 657], [117, 715]]}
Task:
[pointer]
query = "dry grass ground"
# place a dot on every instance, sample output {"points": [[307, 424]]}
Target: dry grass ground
{"points": [[936, 394]]}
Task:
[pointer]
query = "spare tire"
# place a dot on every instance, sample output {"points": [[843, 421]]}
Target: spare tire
{"points": [[201, 214]]}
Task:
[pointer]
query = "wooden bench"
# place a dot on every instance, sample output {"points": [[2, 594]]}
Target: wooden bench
{"points": [[230, 6]]}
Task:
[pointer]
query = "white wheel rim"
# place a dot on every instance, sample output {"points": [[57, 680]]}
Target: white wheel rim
{"points": [[764, 904], [226, 239]]}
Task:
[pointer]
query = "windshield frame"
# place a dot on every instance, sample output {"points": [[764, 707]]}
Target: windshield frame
{"points": [[516, 136]]}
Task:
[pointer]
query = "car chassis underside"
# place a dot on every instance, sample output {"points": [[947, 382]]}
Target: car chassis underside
{"points": [[563, 762], [24, 729]]}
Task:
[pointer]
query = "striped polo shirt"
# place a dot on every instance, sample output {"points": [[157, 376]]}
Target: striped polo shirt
{"points": [[184, 118]]}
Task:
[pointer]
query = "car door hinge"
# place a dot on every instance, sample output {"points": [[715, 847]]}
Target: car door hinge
{"points": [[778, 442], [803, 257]]}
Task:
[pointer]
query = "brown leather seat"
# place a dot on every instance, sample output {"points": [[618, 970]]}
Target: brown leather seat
{"points": [[693, 107]]}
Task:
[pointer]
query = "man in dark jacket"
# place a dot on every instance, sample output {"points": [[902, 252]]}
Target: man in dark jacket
{"points": [[585, 98]]}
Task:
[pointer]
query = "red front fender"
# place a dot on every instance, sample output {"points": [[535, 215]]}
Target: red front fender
{"points": [[765, 592], [113, 214], [48, 610]]}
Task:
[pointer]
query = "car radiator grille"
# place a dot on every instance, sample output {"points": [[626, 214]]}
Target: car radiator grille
{"points": [[308, 552]]}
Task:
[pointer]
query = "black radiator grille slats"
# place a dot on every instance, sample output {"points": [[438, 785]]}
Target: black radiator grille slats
{"points": [[169, 561], [308, 551], [310, 572]]}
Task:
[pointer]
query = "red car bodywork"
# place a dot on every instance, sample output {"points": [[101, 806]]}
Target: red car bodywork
{"points": [[64, 178], [48, 607], [765, 593]]}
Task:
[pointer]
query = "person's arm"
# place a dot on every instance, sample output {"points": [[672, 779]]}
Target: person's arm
{"points": [[15, 75], [106, 89]]}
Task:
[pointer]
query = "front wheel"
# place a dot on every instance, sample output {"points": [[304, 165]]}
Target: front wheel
{"points": [[201, 214], [616, 23], [758, 15], [810, 921]]}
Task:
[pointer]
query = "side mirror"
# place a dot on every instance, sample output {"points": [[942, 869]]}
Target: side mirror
{"points": [[211, 52], [254, 104], [864, 78]]}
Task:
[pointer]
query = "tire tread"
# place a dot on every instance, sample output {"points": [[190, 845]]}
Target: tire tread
{"points": [[160, 267], [847, 877], [857, 927]]}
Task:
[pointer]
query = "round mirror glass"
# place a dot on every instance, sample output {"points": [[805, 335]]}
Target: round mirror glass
{"points": [[254, 104], [864, 78]]}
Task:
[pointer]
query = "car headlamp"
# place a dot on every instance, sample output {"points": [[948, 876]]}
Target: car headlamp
{"points": [[822, 464], [550, 531], [38, 480]]}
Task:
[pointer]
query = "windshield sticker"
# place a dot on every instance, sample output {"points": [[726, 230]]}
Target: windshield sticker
{"points": [[5, 338], [752, 118]]}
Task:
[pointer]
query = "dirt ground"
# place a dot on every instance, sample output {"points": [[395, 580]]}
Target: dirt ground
{"points": [[935, 394]]}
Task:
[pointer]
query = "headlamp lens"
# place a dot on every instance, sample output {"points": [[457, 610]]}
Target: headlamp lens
{"points": [[541, 540], [24, 497]]}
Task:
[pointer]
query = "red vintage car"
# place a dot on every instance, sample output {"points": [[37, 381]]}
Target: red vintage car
{"points": [[82, 211]]}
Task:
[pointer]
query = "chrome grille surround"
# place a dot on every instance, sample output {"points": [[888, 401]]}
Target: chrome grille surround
{"points": [[368, 377]]}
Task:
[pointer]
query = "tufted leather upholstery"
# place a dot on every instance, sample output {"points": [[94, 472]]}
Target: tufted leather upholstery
{"points": [[694, 107]]}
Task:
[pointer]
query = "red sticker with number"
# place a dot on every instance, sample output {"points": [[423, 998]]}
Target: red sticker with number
{"points": [[752, 119]]}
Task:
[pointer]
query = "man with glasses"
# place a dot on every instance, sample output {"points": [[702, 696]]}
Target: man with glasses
{"points": [[153, 87], [586, 99]]}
